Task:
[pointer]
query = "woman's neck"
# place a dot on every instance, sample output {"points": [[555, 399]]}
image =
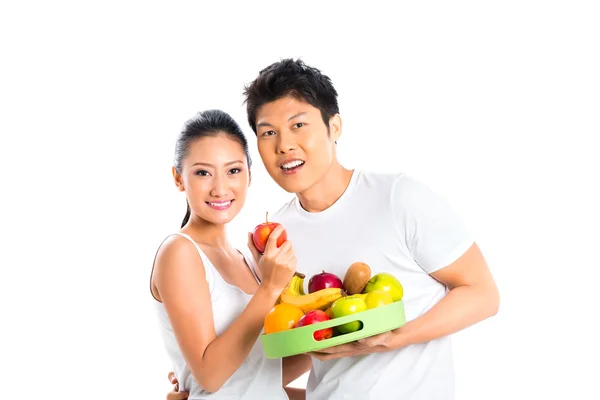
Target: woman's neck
{"points": [[208, 234]]}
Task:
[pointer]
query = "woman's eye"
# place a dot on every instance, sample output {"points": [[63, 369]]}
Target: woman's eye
{"points": [[202, 172], [299, 125], [235, 171], [268, 133]]}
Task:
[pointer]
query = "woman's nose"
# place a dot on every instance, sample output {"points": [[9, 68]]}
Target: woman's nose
{"points": [[219, 187]]}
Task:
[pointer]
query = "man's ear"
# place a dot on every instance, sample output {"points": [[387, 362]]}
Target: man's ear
{"points": [[335, 127], [178, 180]]}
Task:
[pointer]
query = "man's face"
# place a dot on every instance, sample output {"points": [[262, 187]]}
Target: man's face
{"points": [[294, 143]]}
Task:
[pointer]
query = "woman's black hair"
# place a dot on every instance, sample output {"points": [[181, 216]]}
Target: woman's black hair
{"points": [[207, 123]]}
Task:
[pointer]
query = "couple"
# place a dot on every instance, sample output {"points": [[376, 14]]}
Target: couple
{"points": [[212, 299]]}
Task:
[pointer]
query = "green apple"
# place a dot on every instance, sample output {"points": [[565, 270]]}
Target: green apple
{"points": [[378, 298], [386, 282], [347, 306]]}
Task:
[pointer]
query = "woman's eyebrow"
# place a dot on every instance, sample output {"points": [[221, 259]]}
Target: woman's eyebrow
{"points": [[212, 166], [203, 164]]}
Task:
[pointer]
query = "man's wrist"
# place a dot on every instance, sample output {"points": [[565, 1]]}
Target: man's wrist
{"points": [[399, 338]]}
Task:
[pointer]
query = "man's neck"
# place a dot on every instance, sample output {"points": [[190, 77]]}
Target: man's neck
{"points": [[327, 191]]}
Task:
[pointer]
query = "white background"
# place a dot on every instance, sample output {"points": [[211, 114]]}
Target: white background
{"points": [[496, 106]]}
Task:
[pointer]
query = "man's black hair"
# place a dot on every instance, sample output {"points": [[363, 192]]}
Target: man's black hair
{"points": [[290, 77]]}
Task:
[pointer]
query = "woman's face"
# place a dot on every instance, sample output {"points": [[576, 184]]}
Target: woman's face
{"points": [[215, 177]]}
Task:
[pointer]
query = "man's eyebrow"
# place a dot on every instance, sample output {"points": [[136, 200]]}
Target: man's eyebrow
{"points": [[263, 124], [260, 124], [296, 116]]}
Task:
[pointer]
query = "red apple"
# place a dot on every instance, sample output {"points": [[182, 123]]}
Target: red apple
{"points": [[324, 280], [313, 317], [263, 231]]}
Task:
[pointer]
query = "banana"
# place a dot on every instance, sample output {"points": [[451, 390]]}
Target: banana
{"points": [[295, 286], [320, 300]]}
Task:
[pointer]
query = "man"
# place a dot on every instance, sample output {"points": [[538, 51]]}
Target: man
{"points": [[389, 221]]}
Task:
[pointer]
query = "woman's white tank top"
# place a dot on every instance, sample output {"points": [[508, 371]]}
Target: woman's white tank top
{"points": [[258, 377]]}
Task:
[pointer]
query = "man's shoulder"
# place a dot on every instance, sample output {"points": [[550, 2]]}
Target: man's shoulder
{"points": [[379, 180], [403, 189]]}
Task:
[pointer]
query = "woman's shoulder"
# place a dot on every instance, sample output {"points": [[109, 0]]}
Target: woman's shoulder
{"points": [[177, 249], [176, 261]]}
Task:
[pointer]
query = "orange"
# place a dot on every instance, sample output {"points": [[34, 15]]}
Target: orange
{"points": [[282, 317]]}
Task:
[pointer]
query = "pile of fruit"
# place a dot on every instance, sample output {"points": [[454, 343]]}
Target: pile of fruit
{"points": [[328, 296], [331, 297]]}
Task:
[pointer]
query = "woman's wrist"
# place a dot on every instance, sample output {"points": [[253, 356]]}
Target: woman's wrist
{"points": [[269, 292]]}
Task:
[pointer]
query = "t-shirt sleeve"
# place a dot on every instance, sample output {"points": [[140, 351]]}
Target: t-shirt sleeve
{"points": [[433, 233]]}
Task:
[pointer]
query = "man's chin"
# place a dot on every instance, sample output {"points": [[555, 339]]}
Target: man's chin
{"points": [[293, 183], [295, 188]]}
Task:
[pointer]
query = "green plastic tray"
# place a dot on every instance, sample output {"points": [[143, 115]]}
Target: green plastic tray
{"points": [[301, 340]]}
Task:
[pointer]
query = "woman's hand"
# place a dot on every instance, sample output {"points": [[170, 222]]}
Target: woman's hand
{"points": [[175, 394], [276, 266]]}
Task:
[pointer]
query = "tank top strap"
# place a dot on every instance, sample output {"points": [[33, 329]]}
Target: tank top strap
{"points": [[251, 264], [209, 269]]}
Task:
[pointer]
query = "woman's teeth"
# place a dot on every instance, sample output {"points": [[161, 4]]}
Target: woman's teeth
{"points": [[221, 204]]}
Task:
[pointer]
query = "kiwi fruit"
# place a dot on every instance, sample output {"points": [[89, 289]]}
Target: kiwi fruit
{"points": [[356, 278]]}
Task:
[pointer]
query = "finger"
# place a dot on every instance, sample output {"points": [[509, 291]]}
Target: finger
{"points": [[366, 342], [177, 395], [314, 354], [285, 252], [327, 357], [374, 341], [286, 248], [172, 378], [272, 240], [322, 356], [287, 261], [293, 263], [348, 347]]}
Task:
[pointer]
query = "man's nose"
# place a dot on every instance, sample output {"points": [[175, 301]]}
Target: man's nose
{"points": [[287, 142]]}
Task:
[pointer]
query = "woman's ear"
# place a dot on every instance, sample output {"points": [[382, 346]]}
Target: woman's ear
{"points": [[335, 127], [178, 180], [249, 176]]}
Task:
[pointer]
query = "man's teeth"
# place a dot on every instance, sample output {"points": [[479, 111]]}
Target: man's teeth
{"points": [[221, 204], [292, 164]]}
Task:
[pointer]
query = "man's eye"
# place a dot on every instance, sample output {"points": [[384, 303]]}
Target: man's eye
{"points": [[202, 172], [268, 133], [235, 171], [299, 125]]}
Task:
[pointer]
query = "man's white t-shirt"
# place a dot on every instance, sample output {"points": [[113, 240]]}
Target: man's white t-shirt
{"points": [[394, 224]]}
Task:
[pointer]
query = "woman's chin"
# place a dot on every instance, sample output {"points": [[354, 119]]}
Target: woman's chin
{"points": [[220, 217]]}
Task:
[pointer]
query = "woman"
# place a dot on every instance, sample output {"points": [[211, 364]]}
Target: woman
{"points": [[210, 300]]}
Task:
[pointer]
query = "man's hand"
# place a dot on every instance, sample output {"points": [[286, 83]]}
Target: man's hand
{"points": [[175, 394], [374, 344]]}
